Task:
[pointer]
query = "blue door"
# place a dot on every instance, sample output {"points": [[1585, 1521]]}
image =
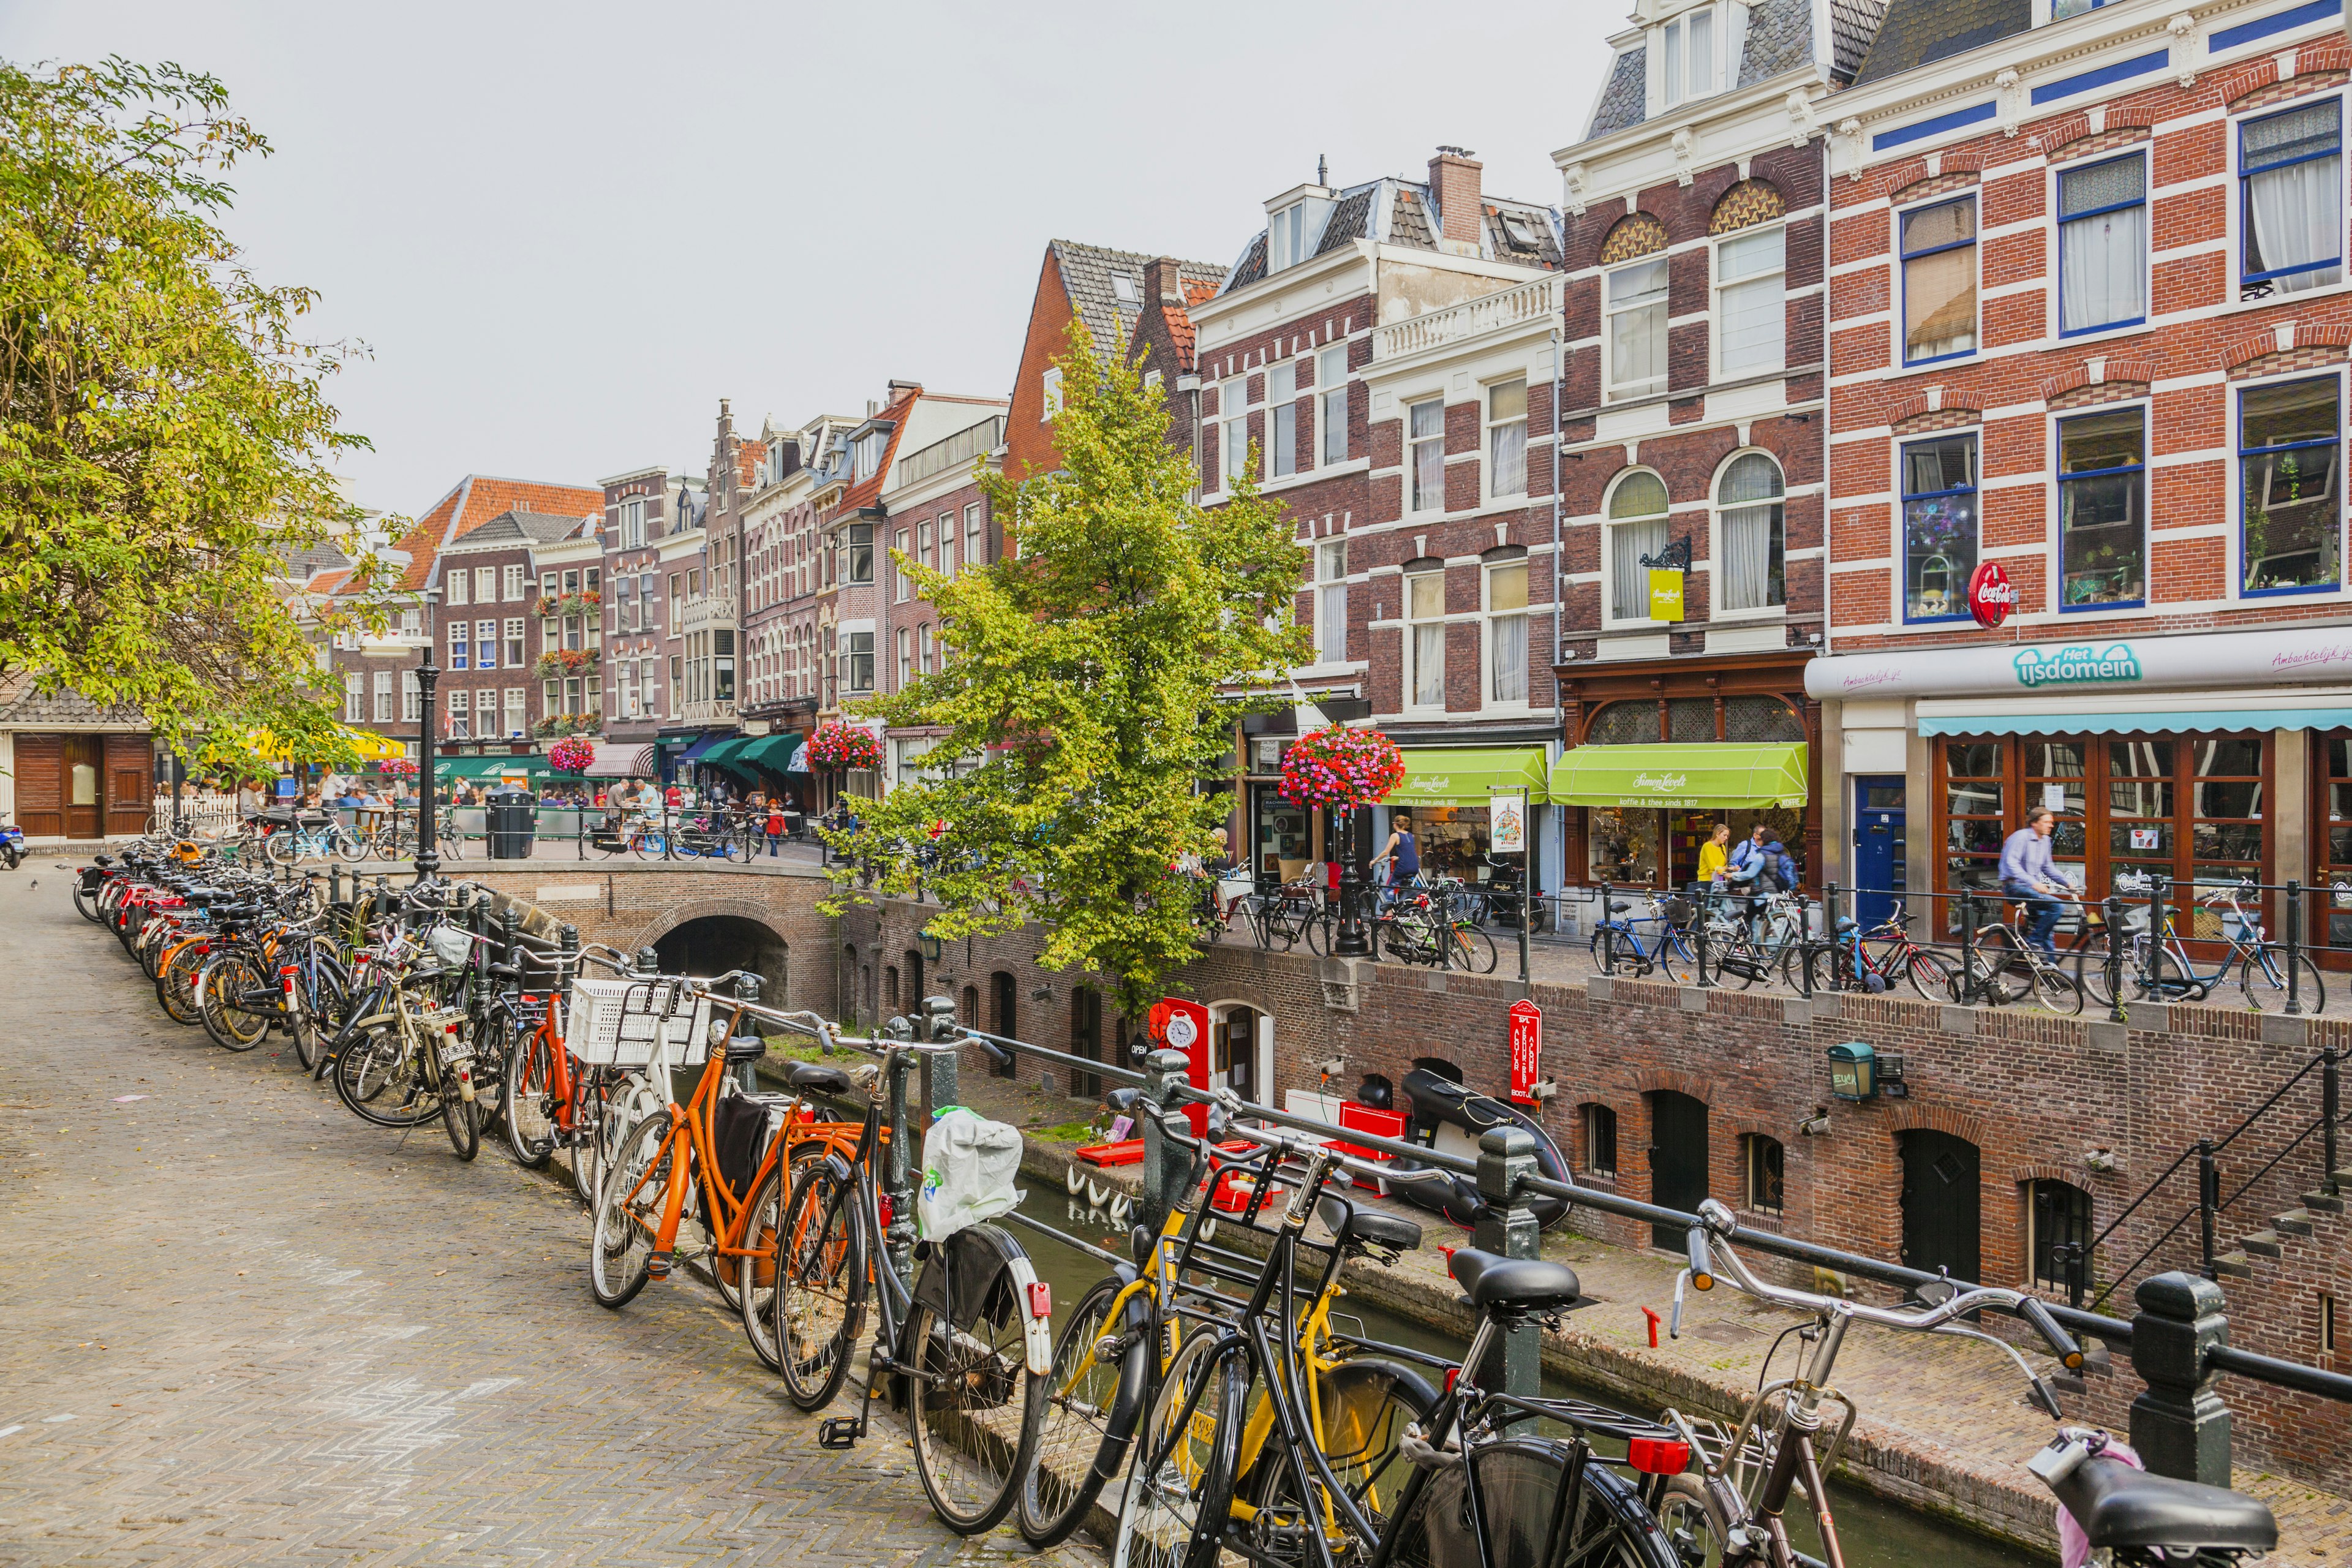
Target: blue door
{"points": [[1878, 861]]}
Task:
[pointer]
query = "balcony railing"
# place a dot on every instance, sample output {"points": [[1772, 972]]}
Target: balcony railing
{"points": [[710, 710], [706, 610], [957, 449], [1538, 299]]}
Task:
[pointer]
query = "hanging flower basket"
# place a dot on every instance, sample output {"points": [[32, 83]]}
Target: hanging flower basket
{"points": [[1339, 766], [571, 755], [839, 745], [397, 767]]}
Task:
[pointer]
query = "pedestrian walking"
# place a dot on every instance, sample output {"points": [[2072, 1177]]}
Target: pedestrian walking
{"points": [[775, 832]]}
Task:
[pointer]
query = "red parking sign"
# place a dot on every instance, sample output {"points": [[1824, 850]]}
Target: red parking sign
{"points": [[1527, 1050]]}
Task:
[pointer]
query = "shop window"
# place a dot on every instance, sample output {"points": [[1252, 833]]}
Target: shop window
{"points": [[1763, 1161], [1750, 533], [1939, 280], [1622, 845], [1974, 784], [2058, 1220], [1939, 527], [2335, 872], [1425, 608], [2290, 452], [1762, 719], [2101, 510], [1506, 632], [1690, 719], [1599, 1126], [2055, 777], [2225, 794], [2290, 220], [1637, 527], [2103, 246], [1624, 724]]}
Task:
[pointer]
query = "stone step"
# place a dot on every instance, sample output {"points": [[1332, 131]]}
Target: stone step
{"points": [[2342, 1178], [2262, 1244], [2233, 1263], [2322, 1202], [2294, 1222]]}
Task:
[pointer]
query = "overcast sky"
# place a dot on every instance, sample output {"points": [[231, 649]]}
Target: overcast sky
{"points": [[565, 232]]}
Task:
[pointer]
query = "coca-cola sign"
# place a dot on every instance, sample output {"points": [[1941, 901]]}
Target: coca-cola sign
{"points": [[1991, 596]]}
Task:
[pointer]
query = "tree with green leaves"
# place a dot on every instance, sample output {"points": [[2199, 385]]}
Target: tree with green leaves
{"points": [[165, 445], [1088, 695]]}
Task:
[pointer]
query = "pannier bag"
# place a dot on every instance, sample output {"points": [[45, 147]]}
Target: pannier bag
{"points": [[740, 1126], [969, 1164]]}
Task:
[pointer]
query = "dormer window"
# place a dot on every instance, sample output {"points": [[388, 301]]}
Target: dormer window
{"points": [[1521, 231], [1286, 238], [1123, 288], [869, 453], [1693, 50]]}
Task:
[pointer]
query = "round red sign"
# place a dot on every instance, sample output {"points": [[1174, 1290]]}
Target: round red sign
{"points": [[1991, 596]]}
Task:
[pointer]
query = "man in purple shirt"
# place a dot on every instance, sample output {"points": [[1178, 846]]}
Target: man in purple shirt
{"points": [[2027, 872]]}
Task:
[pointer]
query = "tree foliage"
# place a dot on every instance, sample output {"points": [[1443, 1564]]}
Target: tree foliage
{"points": [[1087, 693], [165, 443]]}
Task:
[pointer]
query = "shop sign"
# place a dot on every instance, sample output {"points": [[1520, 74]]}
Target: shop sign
{"points": [[1507, 820], [2078, 664], [1527, 1051], [1991, 596], [1665, 594]]}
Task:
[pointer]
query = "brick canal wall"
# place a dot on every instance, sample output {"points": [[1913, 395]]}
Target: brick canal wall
{"points": [[2103, 1107]]}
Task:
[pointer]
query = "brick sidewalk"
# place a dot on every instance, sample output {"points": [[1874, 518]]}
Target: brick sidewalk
{"points": [[251, 1329]]}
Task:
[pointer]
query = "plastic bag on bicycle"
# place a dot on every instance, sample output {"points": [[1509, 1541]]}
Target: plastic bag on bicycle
{"points": [[969, 1164]]}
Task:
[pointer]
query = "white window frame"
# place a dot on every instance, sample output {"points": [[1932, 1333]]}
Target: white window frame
{"points": [[486, 585], [461, 713], [1330, 404], [491, 627], [632, 523], [1330, 600], [1487, 426], [1669, 50], [1610, 527], [2057, 226], [2055, 573], [514, 583], [1488, 643], [1049, 386], [1413, 625], [1286, 238], [1715, 510], [517, 717], [1716, 286], [975, 543], [354, 697], [384, 708], [455, 589], [1276, 449], [1233, 416], [899, 591], [1413, 443], [411, 697], [1612, 389]]}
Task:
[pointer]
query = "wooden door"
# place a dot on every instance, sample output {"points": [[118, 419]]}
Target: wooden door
{"points": [[1085, 1040], [130, 784], [40, 785], [84, 779], [1678, 1159], [1943, 1218]]}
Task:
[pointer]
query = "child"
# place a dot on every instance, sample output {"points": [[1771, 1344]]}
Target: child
{"points": [[776, 830]]}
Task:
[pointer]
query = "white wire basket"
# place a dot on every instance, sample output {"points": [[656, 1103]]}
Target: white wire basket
{"points": [[620, 1023]]}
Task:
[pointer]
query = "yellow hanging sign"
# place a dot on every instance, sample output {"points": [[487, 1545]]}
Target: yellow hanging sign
{"points": [[1665, 594]]}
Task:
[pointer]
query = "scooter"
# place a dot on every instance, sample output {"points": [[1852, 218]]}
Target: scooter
{"points": [[11, 844]]}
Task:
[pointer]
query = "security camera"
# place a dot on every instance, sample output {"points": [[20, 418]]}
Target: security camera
{"points": [[1542, 1089], [1331, 1068], [1817, 1125]]}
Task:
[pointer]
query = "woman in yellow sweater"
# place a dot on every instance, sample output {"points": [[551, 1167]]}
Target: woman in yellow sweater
{"points": [[1712, 856]]}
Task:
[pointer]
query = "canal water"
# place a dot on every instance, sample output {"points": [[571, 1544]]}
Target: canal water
{"points": [[1874, 1534]]}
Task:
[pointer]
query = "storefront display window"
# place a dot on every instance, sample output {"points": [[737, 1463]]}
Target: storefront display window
{"points": [[1280, 840], [1624, 845], [2334, 837], [1454, 840]]}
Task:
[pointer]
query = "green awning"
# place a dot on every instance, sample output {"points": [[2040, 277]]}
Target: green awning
{"points": [[535, 766], [1468, 775], [1717, 774], [726, 751], [772, 752]]}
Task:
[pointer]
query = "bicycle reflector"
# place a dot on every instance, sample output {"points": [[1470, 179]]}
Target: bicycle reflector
{"points": [[1040, 1299], [1658, 1455]]}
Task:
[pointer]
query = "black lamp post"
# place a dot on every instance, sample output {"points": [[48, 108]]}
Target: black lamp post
{"points": [[428, 838], [1354, 940]]}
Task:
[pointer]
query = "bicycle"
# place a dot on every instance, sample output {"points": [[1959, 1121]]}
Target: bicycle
{"points": [[405, 1040], [1732, 1510], [1621, 946], [1474, 1496], [2261, 963], [1885, 953], [301, 840], [970, 1343], [2008, 966]]}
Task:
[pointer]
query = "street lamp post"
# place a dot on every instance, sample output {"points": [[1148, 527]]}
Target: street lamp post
{"points": [[1354, 940], [428, 838]]}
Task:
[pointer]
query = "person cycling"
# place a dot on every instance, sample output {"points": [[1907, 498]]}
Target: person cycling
{"points": [[1401, 855], [2027, 872]]}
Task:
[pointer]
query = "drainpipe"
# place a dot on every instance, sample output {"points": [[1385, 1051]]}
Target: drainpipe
{"points": [[1559, 592]]}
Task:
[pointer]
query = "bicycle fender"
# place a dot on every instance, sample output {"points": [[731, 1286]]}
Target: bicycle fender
{"points": [[1036, 1315]]}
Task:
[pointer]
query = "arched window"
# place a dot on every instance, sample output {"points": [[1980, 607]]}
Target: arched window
{"points": [[1762, 719], [1633, 307], [1750, 535], [2058, 1221], [890, 984], [1439, 1067], [1624, 724], [1599, 1125], [970, 1009], [1636, 528], [1762, 1159]]}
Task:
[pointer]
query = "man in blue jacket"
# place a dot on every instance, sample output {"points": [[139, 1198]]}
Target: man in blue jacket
{"points": [[2028, 872]]}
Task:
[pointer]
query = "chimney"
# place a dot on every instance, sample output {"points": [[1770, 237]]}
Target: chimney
{"points": [[1163, 281], [1453, 184]]}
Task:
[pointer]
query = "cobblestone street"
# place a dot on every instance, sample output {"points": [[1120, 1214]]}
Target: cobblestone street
{"points": [[249, 1329]]}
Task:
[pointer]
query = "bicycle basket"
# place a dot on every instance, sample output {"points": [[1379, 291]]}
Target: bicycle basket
{"points": [[620, 1023], [1678, 910]]}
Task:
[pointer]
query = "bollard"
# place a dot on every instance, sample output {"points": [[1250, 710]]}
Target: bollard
{"points": [[2157, 887], [1836, 939], [1705, 896], [1507, 1157], [1804, 950], [1608, 931], [935, 1024], [567, 956], [1165, 1165], [2294, 948], [1967, 946], [2116, 1013], [2179, 1423], [511, 952], [648, 960], [2330, 1112]]}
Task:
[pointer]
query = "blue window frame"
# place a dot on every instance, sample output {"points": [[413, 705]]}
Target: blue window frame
{"points": [[2291, 200], [1938, 246], [2103, 511], [2290, 468], [1939, 527], [2103, 246]]}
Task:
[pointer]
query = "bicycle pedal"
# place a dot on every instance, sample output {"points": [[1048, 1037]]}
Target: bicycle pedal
{"points": [[837, 1432], [659, 1268]]}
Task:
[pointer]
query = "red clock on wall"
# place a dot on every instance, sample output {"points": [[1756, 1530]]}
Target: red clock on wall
{"points": [[1991, 596]]}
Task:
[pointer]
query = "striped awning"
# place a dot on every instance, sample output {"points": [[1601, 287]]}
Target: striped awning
{"points": [[615, 760]]}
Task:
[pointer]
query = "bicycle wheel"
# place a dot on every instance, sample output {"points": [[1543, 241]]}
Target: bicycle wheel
{"points": [[974, 1403], [2263, 978], [381, 1081], [2004, 965], [819, 1303], [1365, 1406], [523, 1101], [1182, 1484], [650, 846], [1519, 1491], [1601, 953], [755, 1270], [1930, 973], [629, 1213], [1091, 1406], [1695, 1528], [350, 848], [2058, 990], [2091, 975], [283, 848], [175, 982], [1470, 950], [461, 1113], [224, 990], [1676, 959]]}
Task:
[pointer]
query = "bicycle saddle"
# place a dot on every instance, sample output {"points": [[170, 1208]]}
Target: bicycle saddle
{"points": [[1490, 1280], [1618, 906], [1368, 1227], [739, 1048], [509, 971], [814, 1078], [2118, 1505]]}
